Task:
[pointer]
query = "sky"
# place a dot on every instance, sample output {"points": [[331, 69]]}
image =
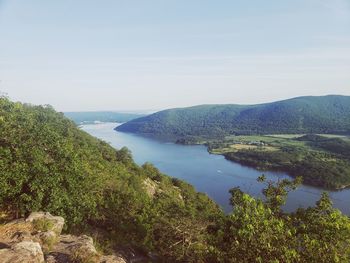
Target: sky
{"points": [[87, 55]]}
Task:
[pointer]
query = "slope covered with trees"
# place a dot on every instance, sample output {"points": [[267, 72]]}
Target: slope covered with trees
{"points": [[322, 161], [47, 163], [325, 114]]}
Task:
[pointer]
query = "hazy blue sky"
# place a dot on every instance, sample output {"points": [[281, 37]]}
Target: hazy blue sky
{"points": [[154, 54]]}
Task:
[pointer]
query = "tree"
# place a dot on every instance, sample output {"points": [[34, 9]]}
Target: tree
{"points": [[124, 155], [276, 192], [323, 233], [253, 232]]}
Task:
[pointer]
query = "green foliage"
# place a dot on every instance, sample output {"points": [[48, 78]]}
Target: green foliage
{"points": [[317, 168], [325, 114], [47, 163], [276, 193], [324, 233], [320, 160], [333, 145], [253, 233], [124, 155], [259, 231], [42, 225]]}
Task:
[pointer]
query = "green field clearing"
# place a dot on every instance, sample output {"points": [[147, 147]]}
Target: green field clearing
{"points": [[322, 160], [285, 136], [266, 139], [238, 147]]}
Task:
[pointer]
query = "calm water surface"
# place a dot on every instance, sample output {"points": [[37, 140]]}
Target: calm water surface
{"points": [[209, 173]]}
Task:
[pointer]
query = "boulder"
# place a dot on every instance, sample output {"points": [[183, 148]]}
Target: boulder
{"points": [[75, 248], [79, 249], [55, 223], [151, 187], [23, 241], [23, 252], [47, 239]]}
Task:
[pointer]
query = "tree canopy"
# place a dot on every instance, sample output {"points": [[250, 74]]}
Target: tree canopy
{"points": [[324, 114], [47, 163]]}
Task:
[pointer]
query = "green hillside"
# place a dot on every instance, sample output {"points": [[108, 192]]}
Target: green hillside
{"points": [[48, 164], [324, 114]]}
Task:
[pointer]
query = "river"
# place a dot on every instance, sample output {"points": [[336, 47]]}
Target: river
{"points": [[208, 173]]}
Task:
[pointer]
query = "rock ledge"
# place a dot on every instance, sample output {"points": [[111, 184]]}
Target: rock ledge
{"points": [[38, 239]]}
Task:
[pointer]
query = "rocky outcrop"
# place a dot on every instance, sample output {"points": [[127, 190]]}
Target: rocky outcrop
{"points": [[25, 251], [151, 187], [56, 222], [77, 248], [38, 239]]}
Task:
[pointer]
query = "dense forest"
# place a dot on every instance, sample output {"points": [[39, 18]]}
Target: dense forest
{"points": [[321, 161], [332, 145], [324, 114], [47, 163], [317, 168]]}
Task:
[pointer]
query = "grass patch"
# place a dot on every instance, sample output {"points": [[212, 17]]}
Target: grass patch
{"points": [[238, 147], [286, 136], [42, 225]]}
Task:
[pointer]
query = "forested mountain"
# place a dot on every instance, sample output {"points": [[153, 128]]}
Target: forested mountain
{"points": [[101, 116], [48, 164], [324, 114]]}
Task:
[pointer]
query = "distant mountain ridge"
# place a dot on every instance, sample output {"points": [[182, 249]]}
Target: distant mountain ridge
{"points": [[309, 114], [101, 116]]}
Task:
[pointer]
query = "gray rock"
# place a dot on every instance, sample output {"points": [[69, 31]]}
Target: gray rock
{"points": [[23, 252], [75, 248], [57, 221], [112, 259], [46, 239], [25, 240], [22, 236]]}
